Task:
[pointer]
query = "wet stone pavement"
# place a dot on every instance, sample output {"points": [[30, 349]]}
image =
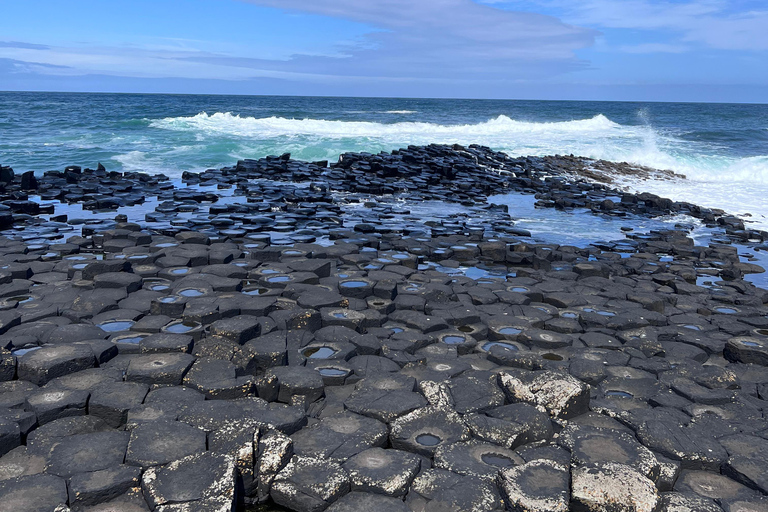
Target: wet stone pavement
{"points": [[375, 335]]}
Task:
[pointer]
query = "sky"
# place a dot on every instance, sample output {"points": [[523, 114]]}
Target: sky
{"points": [[646, 50]]}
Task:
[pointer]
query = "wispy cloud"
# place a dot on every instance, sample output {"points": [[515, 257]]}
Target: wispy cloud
{"points": [[718, 24], [18, 44], [653, 48], [431, 41]]}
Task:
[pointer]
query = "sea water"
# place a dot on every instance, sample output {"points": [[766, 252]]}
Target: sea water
{"points": [[722, 149]]}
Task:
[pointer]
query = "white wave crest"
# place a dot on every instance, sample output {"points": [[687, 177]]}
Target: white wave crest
{"points": [[501, 126], [595, 137]]}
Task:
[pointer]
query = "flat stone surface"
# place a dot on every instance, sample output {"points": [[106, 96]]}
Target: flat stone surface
{"points": [[612, 486], [160, 442], [191, 479], [537, 486], [33, 493]]}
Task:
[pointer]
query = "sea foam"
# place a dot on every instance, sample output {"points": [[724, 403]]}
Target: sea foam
{"points": [[737, 184]]}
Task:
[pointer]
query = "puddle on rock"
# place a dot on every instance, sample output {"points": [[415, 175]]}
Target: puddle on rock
{"points": [[319, 352], [488, 346], [331, 372], [497, 460], [428, 440], [619, 394], [116, 325]]}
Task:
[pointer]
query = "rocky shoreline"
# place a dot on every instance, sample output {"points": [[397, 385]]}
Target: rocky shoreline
{"points": [[302, 335]]}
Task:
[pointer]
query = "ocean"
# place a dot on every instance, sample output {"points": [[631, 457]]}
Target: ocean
{"points": [[722, 149]]}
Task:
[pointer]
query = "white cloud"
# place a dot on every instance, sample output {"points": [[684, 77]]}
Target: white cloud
{"points": [[719, 24], [431, 41], [653, 48]]}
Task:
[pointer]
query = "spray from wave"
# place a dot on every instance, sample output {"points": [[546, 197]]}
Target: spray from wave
{"points": [[596, 137]]}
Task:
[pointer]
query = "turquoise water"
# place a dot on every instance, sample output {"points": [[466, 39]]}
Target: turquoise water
{"points": [[721, 148]]}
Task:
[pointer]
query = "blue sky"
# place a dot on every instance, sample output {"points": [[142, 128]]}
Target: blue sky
{"points": [[665, 50]]}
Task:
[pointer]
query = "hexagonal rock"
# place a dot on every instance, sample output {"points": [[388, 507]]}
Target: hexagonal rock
{"points": [[217, 379], [388, 472], [193, 480], [309, 484], [476, 459], [678, 502], [746, 461], [166, 342], [340, 436], [32, 493], [87, 452], [611, 486], [591, 445], [239, 329], [239, 439], [20, 462], [275, 450], [7, 365], [472, 393], [52, 404], [112, 401], [537, 486], [161, 368], [41, 440], [382, 404], [424, 430], [121, 280], [363, 501], [283, 382], [747, 349], [87, 489], [682, 443], [160, 442], [712, 485], [561, 395], [10, 435], [44, 364], [438, 489]]}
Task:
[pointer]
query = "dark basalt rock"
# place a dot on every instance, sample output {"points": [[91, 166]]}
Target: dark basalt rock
{"points": [[631, 368]]}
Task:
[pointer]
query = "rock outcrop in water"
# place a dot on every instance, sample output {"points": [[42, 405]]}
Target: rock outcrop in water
{"points": [[286, 332]]}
